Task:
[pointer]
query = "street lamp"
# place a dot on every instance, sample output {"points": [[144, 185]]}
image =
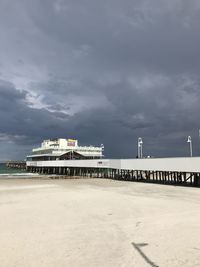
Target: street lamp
{"points": [[190, 142], [140, 143]]}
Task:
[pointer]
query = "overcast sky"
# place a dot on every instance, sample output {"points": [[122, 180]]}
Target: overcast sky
{"points": [[101, 71]]}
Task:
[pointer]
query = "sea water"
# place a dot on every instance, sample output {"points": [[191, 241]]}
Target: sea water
{"points": [[5, 171]]}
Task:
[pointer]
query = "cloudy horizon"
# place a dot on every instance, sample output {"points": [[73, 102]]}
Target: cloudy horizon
{"points": [[102, 72]]}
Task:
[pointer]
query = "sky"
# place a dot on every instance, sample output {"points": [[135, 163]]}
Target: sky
{"points": [[104, 72]]}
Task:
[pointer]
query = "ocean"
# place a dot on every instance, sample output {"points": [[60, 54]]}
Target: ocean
{"points": [[4, 171]]}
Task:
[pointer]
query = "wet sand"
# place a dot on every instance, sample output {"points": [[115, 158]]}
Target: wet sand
{"points": [[97, 222]]}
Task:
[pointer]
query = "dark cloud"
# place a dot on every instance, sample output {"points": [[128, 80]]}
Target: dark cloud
{"points": [[100, 71]]}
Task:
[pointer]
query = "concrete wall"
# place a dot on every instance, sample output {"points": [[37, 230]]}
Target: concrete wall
{"points": [[163, 164], [159, 164], [71, 163]]}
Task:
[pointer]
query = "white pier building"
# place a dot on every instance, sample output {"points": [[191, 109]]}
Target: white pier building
{"points": [[64, 149]]}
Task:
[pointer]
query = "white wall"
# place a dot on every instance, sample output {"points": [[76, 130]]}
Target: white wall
{"points": [[163, 164], [71, 163], [160, 164]]}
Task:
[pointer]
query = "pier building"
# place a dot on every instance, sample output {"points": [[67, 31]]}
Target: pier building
{"points": [[64, 149], [66, 157]]}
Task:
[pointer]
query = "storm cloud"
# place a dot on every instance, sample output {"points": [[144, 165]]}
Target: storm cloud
{"points": [[100, 71]]}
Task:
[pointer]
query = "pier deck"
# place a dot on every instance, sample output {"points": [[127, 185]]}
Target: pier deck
{"points": [[176, 171]]}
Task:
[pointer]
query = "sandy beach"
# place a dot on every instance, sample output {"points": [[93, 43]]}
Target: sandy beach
{"points": [[97, 222]]}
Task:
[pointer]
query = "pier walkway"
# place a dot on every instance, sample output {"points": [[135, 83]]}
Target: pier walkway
{"points": [[179, 171]]}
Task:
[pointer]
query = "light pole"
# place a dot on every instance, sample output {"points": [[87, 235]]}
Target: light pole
{"points": [[190, 142], [140, 143]]}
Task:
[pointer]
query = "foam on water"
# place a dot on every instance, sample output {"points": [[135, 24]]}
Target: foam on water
{"points": [[18, 174]]}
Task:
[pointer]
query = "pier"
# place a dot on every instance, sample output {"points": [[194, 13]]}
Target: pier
{"points": [[171, 171], [21, 165]]}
